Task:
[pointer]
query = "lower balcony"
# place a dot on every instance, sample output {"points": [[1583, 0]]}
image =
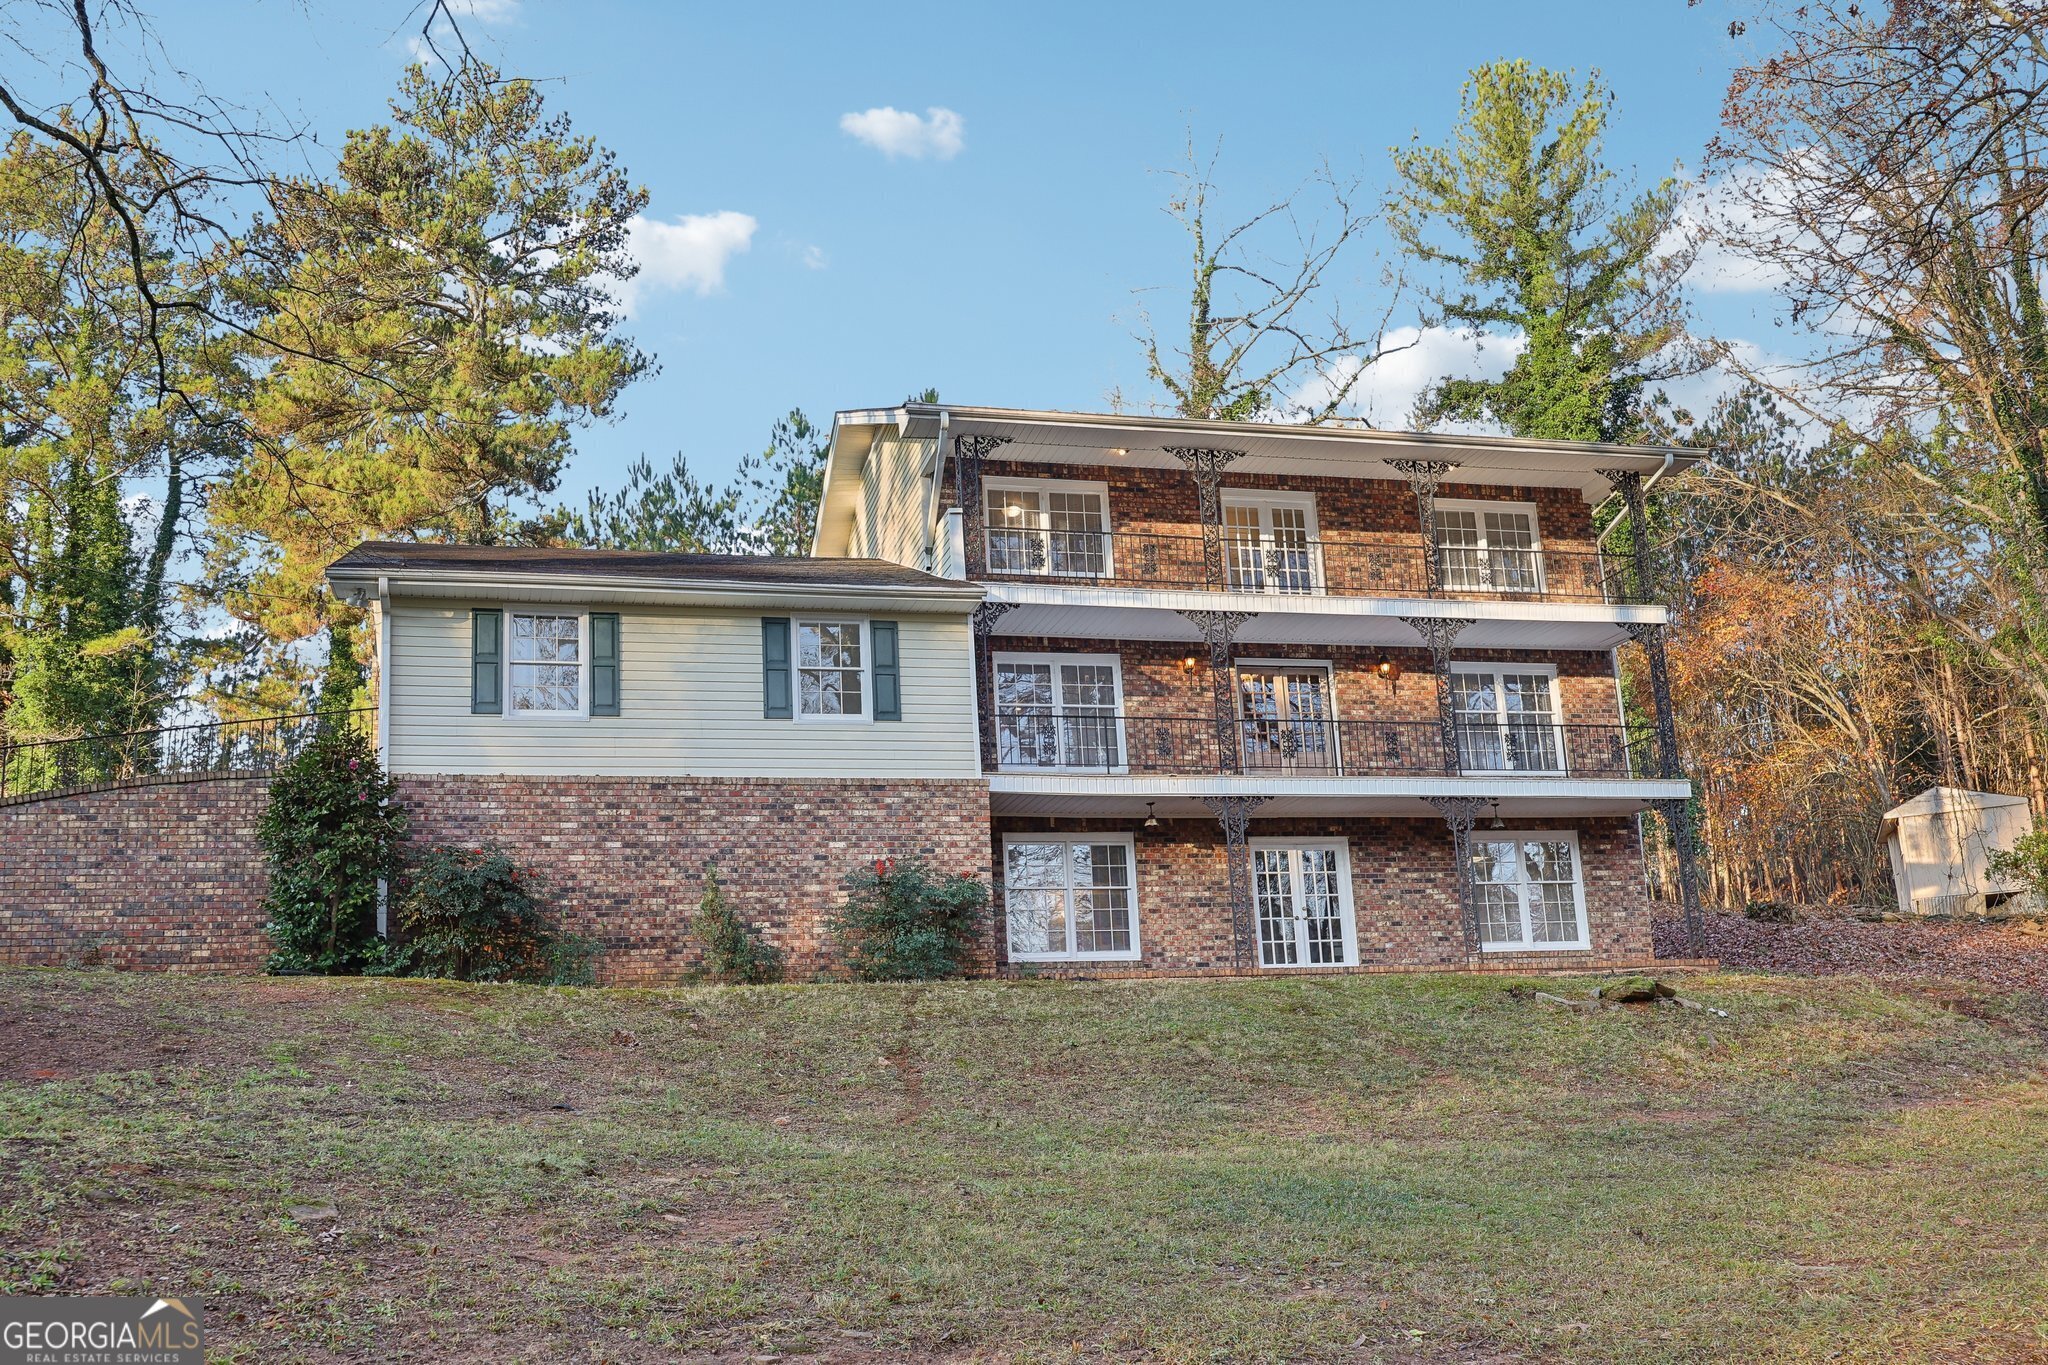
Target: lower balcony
{"points": [[1116, 744]]}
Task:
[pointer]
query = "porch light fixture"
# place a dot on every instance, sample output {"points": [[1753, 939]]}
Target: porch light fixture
{"points": [[1118, 450], [1151, 820], [1498, 823], [1388, 669], [1187, 664]]}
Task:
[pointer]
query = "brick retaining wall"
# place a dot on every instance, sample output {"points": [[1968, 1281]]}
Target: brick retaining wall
{"points": [[165, 877], [624, 858]]}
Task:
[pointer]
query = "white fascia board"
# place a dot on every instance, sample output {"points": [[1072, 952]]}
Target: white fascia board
{"points": [[951, 601], [1239, 784], [1310, 604]]}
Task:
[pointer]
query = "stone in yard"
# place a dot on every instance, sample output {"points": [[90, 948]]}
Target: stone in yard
{"points": [[1634, 990]]}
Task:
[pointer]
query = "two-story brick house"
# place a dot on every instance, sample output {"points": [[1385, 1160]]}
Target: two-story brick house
{"points": [[1270, 697]]}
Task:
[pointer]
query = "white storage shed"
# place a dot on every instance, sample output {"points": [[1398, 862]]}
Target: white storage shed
{"points": [[1941, 844]]}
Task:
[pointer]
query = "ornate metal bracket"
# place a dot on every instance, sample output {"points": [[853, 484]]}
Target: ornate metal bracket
{"points": [[1439, 632], [1651, 637], [1219, 629], [1629, 484], [968, 454], [1676, 813], [983, 626], [1460, 813], [1205, 465], [1234, 813], [1425, 477]]}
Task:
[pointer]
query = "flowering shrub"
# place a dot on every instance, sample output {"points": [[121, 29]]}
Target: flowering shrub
{"points": [[904, 922], [330, 832]]}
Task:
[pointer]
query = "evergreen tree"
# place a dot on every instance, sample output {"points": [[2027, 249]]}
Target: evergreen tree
{"points": [[1536, 236]]}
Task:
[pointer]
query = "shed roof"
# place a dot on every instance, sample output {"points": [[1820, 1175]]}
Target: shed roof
{"points": [[1937, 800]]}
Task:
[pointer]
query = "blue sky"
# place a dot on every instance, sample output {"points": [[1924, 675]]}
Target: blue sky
{"points": [[999, 266]]}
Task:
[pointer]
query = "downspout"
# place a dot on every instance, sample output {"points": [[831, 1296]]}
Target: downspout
{"points": [[1670, 458], [384, 728], [931, 508]]}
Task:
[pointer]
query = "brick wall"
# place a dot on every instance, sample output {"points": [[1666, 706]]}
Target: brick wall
{"points": [[1403, 885], [164, 877], [624, 858]]}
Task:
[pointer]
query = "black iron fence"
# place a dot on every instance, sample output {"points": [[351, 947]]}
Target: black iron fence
{"points": [[1110, 742], [1303, 567], [234, 748]]}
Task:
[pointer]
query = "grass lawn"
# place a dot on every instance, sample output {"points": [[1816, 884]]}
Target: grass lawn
{"points": [[1412, 1169]]}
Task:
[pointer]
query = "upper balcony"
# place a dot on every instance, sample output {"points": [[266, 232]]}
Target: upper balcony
{"points": [[1284, 563]]}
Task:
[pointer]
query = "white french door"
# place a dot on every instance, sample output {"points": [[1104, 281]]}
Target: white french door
{"points": [[1058, 712], [1269, 544], [1285, 718], [1301, 891], [1484, 549]]}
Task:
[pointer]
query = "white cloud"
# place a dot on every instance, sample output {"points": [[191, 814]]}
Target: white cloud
{"points": [[485, 11], [814, 258], [690, 253], [442, 45], [1734, 206], [1416, 358], [939, 133]]}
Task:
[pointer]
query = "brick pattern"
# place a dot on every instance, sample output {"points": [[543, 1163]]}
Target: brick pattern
{"points": [[623, 859], [1403, 885], [166, 877]]}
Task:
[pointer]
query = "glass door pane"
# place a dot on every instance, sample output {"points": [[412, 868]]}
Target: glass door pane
{"points": [[1244, 560], [1529, 736], [1322, 907], [1284, 715], [1088, 725], [1273, 896], [1026, 732]]}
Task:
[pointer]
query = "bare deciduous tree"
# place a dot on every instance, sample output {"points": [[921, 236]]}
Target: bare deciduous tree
{"points": [[1266, 338]]}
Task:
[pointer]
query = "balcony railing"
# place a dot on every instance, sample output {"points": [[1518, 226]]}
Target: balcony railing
{"points": [[237, 748], [1160, 746], [1301, 566]]}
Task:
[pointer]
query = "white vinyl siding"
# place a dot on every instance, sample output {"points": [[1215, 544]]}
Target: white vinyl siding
{"points": [[896, 500], [690, 704]]}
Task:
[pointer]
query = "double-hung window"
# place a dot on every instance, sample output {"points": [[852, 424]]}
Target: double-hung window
{"points": [[1507, 719], [1047, 526], [1487, 547], [1059, 711], [831, 670], [1529, 890], [1269, 543], [546, 664], [1069, 899]]}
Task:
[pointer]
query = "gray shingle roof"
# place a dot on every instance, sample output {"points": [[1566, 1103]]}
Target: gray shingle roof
{"points": [[768, 571]]}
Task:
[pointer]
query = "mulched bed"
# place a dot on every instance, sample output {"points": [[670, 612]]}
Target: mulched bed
{"points": [[2005, 956]]}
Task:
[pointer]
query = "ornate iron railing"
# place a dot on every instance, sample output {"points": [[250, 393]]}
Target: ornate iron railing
{"points": [[1111, 742], [234, 748], [1302, 567]]}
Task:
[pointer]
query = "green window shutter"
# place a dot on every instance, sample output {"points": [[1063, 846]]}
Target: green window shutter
{"points": [[775, 680], [487, 663], [887, 671], [604, 663]]}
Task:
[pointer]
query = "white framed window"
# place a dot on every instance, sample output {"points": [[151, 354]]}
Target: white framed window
{"points": [[1070, 899], [1507, 718], [1301, 896], [1531, 895], [547, 662], [1489, 546], [832, 657], [1270, 543], [1055, 527], [1287, 716], [1059, 711]]}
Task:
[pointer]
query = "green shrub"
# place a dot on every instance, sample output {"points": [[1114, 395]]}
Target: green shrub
{"points": [[331, 830], [733, 949], [1770, 912], [472, 915], [2026, 862], [904, 922]]}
